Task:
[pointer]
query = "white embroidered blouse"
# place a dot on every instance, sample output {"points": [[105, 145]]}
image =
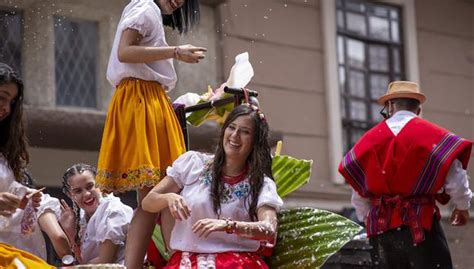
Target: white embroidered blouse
{"points": [[11, 234], [191, 171]]}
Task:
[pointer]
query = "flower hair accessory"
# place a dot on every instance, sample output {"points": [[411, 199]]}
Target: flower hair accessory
{"points": [[257, 110], [252, 106]]}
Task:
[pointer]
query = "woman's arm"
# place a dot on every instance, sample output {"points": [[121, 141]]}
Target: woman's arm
{"points": [[50, 225], [107, 253], [264, 229], [129, 50], [165, 195]]}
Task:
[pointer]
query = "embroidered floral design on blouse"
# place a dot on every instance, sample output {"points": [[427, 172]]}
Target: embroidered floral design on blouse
{"points": [[231, 193]]}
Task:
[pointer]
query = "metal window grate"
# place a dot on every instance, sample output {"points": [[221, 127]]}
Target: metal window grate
{"points": [[76, 44], [11, 38], [370, 55]]}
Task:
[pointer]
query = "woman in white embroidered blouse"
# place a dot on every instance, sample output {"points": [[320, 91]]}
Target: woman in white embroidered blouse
{"points": [[225, 205], [19, 228], [97, 223]]}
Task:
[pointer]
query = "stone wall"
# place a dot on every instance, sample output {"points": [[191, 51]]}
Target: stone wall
{"points": [[446, 59]]}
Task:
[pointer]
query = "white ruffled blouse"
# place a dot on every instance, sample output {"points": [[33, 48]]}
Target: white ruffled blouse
{"points": [[109, 222], [191, 172], [11, 234], [145, 17]]}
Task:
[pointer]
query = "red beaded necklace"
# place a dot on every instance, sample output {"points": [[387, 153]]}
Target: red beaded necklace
{"points": [[232, 180]]}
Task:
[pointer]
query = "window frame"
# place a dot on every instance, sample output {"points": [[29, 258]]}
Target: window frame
{"points": [[333, 99], [349, 126], [96, 93], [18, 67]]}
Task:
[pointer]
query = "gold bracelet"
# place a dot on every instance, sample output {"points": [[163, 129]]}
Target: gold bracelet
{"points": [[231, 226], [176, 53]]}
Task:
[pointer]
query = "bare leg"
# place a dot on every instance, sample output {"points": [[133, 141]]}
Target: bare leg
{"points": [[139, 234]]}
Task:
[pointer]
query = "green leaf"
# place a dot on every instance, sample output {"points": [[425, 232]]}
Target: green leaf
{"points": [[290, 173], [157, 238], [307, 237], [197, 117]]}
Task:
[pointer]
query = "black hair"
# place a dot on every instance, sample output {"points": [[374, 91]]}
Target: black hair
{"points": [[13, 142], [406, 104], [183, 18], [259, 160], [76, 169]]}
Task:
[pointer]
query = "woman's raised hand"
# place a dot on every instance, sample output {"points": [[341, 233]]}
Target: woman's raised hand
{"points": [[205, 227], [67, 220], [178, 206], [189, 53]]}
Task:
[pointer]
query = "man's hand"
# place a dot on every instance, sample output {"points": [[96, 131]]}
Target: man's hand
{"points": [[459, 217]]}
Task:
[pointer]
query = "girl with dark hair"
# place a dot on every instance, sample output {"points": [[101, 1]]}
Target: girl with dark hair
{"points": [[21, 226], [97, 224], [225, 205], [142, 135], [13, 138]]}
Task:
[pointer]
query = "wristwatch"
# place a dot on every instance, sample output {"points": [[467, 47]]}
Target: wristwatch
{"points": [[68, 260]]}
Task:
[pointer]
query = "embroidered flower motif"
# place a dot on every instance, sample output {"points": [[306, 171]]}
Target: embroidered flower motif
{"points": [[231, 192], [242, 190], [129, 179]]}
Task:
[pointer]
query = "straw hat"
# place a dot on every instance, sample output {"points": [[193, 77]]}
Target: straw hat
{"points": [[402, 89]]}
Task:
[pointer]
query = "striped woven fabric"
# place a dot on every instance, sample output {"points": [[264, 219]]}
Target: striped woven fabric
{"points": [[354, 170], [437, 157]]}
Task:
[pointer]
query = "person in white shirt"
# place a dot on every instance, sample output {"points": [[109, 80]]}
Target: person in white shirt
{"points": [[142, 135], [399, 169], [224, 205], [21, 226], [97, 223]]}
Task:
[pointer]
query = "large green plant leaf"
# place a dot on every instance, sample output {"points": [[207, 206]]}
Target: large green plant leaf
{"points": [[307, 237], [290, 173]]}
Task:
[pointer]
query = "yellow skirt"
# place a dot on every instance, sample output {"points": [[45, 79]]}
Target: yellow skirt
{"points": [[141, 138], [12, 258]]}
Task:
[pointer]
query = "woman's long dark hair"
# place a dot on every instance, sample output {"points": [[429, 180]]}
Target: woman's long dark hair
{"points": [[13, 143], [259, 161], [184, 17], [76, 169]]}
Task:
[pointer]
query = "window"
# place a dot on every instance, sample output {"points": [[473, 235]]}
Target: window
{"points": [[10, 38], [76, 44], [370, 55]]}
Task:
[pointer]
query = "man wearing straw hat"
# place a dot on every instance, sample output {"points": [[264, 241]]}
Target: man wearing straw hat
{"points": [[398, 170]]}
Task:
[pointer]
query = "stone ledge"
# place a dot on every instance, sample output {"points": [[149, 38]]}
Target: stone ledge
{"points": [[212, 3], [80, 129]]}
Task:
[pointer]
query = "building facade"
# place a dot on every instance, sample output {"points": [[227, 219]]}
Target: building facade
{"points": [[319, 67]]}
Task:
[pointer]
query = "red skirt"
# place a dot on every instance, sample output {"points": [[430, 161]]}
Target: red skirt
{"points": [[232, 260]]}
